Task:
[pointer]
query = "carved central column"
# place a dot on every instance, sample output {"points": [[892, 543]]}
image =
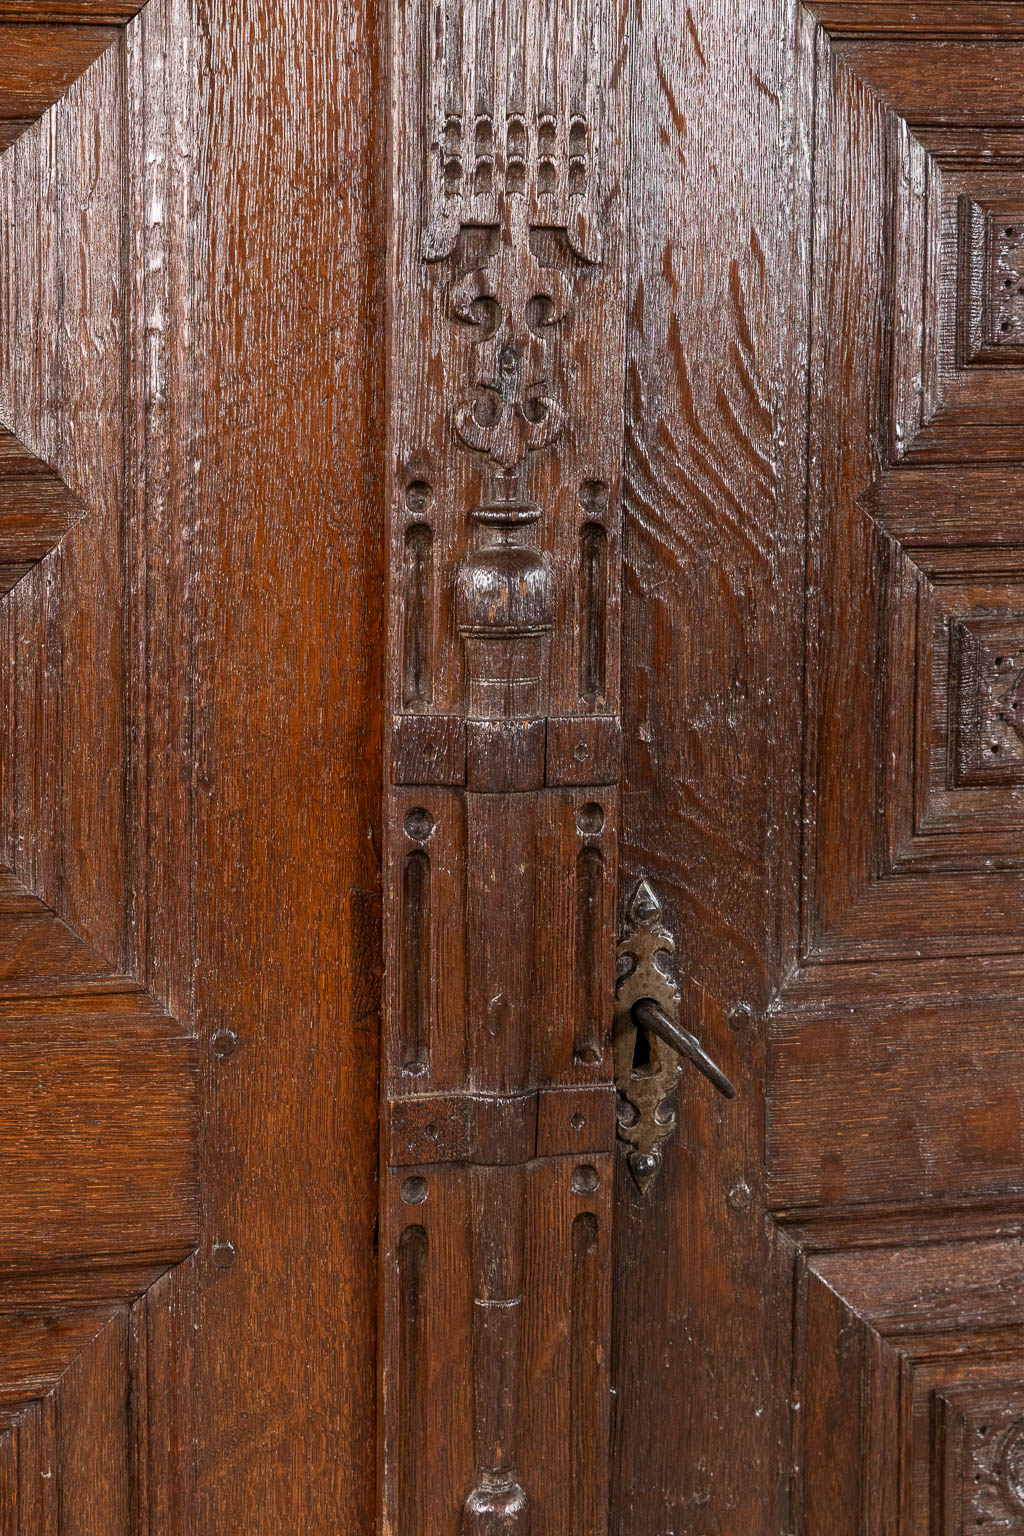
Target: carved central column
{"points": [[505, 445]]}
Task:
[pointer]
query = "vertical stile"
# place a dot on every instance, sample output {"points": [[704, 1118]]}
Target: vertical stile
{"points": [[506, 400]]}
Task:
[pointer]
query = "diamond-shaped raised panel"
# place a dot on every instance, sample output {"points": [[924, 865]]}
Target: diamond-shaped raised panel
{"points": [[99, 1096], [894, 1047], [907, 1374], [919, 143], [954, 785], [955, 325]]}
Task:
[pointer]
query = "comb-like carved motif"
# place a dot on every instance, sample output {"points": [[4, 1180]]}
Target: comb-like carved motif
{"points": [[513, 117]]}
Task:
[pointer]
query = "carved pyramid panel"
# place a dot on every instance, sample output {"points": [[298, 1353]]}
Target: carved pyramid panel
{"points": [[895, 1049]]}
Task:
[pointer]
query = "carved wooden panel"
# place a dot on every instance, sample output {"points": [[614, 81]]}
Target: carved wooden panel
{"points": [[98, 1093], [907, 1388], [979, 1435], [894, 1049], [915, 596], [991, 290], [505, 444], [823, 579], [987, 699]]}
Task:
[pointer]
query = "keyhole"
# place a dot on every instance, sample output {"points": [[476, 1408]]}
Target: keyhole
{"points": [[642, 1063]]}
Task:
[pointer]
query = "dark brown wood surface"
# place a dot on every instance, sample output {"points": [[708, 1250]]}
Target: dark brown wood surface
{"points": [[191, 692], [815, 1324], [728, 298], [505, 410]]}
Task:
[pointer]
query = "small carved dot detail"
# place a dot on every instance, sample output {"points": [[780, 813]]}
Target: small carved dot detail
{"points": [[993, 1470], [585, 1180], [1006, 321], [419, 823], [987, 699]]}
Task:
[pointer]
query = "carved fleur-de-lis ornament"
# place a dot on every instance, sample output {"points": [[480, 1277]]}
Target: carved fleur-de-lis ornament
{"points": [[514, 303]]}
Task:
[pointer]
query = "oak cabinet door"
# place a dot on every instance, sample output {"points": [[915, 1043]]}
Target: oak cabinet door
{"points": [[190, 553], [818, 1321]]}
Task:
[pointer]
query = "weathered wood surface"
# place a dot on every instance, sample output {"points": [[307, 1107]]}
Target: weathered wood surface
{"points": [[811, 333], [711, 700]]}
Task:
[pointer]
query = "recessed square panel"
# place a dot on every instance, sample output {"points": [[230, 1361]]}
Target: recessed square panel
{"points": [[986, 697], [978, 1455], [958, 298], [991, 286], [968, 794], [954, 652]]}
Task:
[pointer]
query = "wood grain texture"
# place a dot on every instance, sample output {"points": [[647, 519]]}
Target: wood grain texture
{"points": [[816, 1306], [285, 578], [711, 731], [101, 1104], [875, 913], [184, 784], [40, 63], [803, 550], [906, 1352]]}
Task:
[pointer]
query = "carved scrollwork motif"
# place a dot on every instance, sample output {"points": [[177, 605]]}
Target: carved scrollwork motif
{"points": [[506, 390], [516, 306]]}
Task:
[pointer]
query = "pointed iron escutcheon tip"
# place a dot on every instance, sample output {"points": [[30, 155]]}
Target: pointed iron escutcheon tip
{"points": [[644, 1167], [644, 906]]}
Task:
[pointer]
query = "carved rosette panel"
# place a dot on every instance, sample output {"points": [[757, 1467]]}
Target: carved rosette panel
{"points": [[987, 699], [97, 1076], [505, 447], [979, 1446]]}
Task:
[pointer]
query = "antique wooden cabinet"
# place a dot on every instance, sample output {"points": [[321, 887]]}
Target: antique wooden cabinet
{"points": [[512, 767]]}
